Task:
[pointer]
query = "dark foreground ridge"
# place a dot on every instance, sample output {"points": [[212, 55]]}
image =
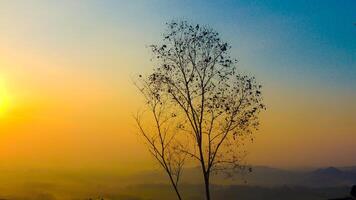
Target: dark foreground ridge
{"points": [[352, 195]]}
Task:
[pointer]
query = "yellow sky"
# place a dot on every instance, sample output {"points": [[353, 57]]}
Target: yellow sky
{"points": [[68, 116], [58, 115]]}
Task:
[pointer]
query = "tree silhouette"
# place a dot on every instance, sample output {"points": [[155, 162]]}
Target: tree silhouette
{"points": [[160, 137], [214, 107]]}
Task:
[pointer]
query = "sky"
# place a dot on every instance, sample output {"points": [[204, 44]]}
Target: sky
{"points": [[67, 98]]}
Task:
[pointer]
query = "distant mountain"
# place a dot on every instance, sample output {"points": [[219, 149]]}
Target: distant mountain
{"points": [[263, 183], [330, 171], [349, 169], [331, 176], [323, 177], [267, 176], [233, 192]]}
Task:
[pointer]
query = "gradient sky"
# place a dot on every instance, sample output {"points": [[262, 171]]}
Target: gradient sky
{"points": [[66, 68]]}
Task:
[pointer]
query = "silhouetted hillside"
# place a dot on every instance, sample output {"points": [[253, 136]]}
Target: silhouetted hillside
{"points": [[263, 183], [267, 176], [233, 192], [330, 176]]}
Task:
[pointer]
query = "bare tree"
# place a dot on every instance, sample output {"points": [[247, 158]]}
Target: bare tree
{"points": [[218, 106], [159, 135]]}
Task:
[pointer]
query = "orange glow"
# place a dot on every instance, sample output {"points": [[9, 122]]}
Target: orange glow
{"points": [[4, 99]]}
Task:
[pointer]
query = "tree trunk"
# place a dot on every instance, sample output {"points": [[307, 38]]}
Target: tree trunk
{"points": [[206, 173], [207, 186], [175, 186], [177, 192]]}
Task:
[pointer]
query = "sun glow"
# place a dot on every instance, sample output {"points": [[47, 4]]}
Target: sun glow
{"points": [[4, 99]]}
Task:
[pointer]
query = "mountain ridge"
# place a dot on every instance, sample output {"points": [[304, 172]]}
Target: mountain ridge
{"points": [[268, 176]]}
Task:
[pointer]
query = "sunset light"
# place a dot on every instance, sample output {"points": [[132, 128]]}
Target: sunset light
{"points": [[4, 100], [177, 100]]}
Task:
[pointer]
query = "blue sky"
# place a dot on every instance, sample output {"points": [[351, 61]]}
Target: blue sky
{"points": [[287, 40], [304, 39], [313, 40]]}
